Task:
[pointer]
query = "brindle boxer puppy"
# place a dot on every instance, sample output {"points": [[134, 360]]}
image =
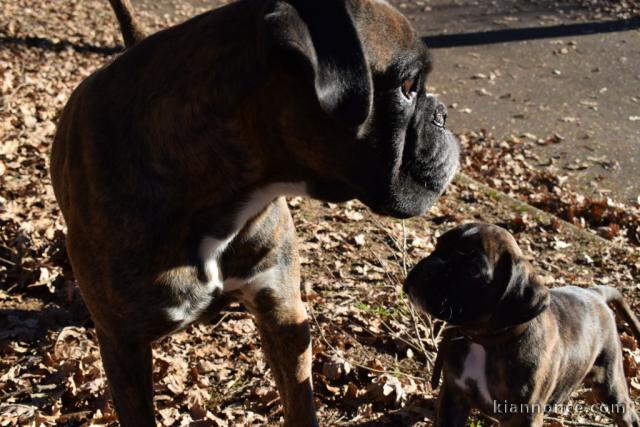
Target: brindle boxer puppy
{"points": [[169, 164], [517, 341]]}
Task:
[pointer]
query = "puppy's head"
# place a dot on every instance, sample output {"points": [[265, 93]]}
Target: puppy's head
{"points": [[358, 120], [477, 277]]}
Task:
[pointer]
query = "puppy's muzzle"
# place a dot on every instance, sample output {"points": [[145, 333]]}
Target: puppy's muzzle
{"points": [[423, 274]]}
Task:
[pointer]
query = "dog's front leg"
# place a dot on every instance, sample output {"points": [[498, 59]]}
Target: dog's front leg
{"points": [[286, 340], [453, 408]]}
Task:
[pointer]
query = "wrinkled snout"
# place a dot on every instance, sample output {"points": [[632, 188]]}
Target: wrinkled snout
{"points": [[437, 150]]}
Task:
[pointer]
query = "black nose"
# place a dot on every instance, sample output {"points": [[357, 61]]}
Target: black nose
{"points": [[440, 115]]}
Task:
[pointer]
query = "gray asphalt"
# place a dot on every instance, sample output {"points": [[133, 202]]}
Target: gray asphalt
{"points": [[584, 87]]}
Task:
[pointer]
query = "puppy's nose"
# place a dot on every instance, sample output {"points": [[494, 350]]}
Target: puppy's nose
{"points": [[440, 115], [405, 287], [408, 282]]}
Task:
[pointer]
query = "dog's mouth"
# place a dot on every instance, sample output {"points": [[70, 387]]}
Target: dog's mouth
{"points": [[435, 171], [414, 191], [396, 169], [427, 166], [442, 308], [432, 168]]}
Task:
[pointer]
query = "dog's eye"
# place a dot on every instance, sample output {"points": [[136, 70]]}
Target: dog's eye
{"points": [[408, 89]]}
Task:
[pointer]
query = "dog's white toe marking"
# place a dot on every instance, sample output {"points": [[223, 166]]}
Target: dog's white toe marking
{"points": [[475, 366], [191, 301], [196, 300]]}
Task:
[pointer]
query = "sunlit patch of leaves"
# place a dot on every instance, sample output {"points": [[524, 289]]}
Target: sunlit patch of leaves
{"points": [[373, 353], [512, 167]]}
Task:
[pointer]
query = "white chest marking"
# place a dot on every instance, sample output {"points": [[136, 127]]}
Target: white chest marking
{"points": [[211, 249], [259, 199], [475, 366]]}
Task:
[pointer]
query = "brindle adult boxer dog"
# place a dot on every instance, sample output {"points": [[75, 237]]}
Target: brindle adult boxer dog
{"points": [[170, 162], [516, 342]]}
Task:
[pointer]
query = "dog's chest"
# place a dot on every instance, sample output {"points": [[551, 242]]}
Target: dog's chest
{"points": [[473, 376]]}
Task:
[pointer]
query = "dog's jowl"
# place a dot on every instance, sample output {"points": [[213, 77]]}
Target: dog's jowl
{"points": [[170, 162], [515, 349]]}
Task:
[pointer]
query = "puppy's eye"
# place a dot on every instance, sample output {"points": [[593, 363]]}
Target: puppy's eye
{"points": [[409, 89]]}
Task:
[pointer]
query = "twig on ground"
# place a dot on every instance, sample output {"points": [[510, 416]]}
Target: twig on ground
{"points": [[338, 354], [575, 423]]}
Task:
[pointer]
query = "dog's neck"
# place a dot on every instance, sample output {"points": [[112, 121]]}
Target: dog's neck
{"points": [[493, 338]]}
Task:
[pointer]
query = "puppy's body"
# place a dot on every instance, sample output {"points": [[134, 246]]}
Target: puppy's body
{"points": [[558, 351], [517, 346]]}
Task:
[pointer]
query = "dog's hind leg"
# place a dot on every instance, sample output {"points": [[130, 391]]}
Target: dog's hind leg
{"points": [[610, 387], [128, 365]]}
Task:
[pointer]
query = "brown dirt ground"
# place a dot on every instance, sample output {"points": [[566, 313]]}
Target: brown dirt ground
{"points": [[373, 353]]}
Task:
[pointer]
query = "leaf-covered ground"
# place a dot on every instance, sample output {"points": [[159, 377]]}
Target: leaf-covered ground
{"points": [[372, 352]]}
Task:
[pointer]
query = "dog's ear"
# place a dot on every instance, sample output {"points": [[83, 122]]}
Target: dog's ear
{"points": [[524, 297], [322, 35]]}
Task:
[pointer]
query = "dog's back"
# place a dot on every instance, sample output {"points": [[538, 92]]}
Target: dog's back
{"points": [[614, 297]]}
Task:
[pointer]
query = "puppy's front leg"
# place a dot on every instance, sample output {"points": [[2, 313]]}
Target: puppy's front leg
{"points": [[286, 340], [453, 408]]}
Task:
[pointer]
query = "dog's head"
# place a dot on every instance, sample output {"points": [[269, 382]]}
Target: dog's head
{"points": [[358, 120], [477, 277]]}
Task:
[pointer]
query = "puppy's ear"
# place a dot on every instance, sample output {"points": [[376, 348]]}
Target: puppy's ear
{"points": [[524, 297], [322, 35]]}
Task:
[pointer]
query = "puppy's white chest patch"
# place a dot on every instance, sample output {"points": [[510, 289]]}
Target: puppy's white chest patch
{"points": [[475, 372]]}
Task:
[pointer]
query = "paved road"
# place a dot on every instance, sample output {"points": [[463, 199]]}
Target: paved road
{"points": [[585, 88]]}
